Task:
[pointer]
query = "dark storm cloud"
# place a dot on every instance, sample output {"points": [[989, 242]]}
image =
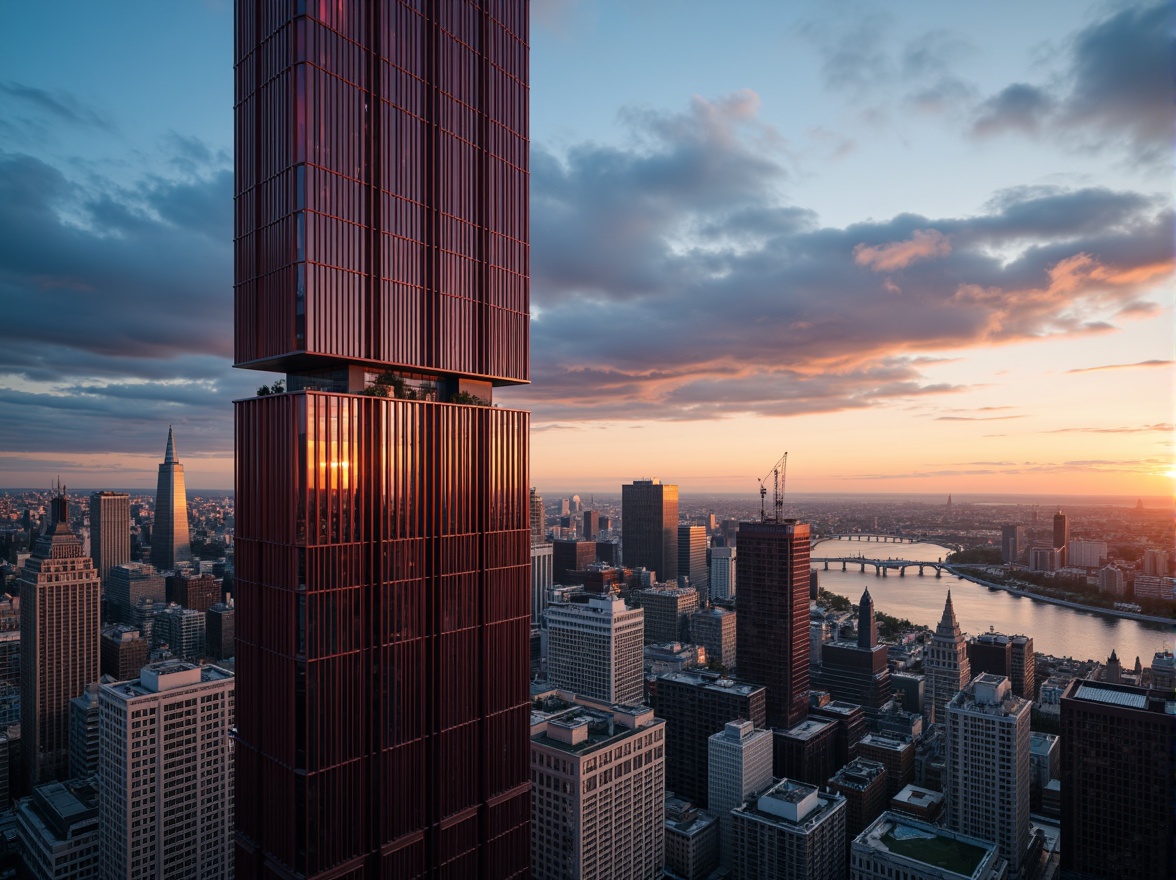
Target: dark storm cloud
{"points": [[143, 274], [1116, 86], [672, 281], [117, 307]]}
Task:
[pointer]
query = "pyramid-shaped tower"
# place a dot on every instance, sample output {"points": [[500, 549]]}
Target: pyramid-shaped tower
{"points": [[170, 541]]}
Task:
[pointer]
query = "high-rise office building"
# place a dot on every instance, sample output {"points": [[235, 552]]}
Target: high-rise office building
{"points": [[722, 573], [945, 663], [110, 530], [591, 527], [83, 733], [127, 586], [857, 671], [1085, 554], [183, 630], [58, 830], [1118, 756], [535, 508], [1155, 562], [595, 649], [895, 752], [649, 527], [863, 784], [692, 558], [220, 631], [381, 264], [122, 652], [772, 631], [598, 792], [987, 790], [1061, 536], [542, 578], [695, 706], [569, 556], [59, 632], [1012, 543], [166, 773], [792, 830], [196, 591], [739, 764], [1001, 654], [667, 613], [170, 542], [715, 630]]}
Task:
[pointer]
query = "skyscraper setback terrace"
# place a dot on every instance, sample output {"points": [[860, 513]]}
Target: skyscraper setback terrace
{"points": [[383, 610]]}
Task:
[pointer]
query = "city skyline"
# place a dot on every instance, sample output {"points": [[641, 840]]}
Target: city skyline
{"points": [[990, 207]]}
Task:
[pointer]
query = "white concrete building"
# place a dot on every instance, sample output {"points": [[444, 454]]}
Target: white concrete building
{"points": [[166, 773], [597, 792], [987, 785], [1112, 580], [595, 649], [1085, 554], [739, 761], [542, 578], [722, 572]]}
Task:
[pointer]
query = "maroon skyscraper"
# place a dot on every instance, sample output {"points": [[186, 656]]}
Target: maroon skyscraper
{"points": [[772, 630], [382, 575]]}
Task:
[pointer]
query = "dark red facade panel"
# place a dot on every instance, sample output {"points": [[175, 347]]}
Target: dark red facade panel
{"points": [[772, 634], [384, 621], [381, 193]]}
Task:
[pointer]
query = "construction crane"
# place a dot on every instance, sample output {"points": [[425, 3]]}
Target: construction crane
{"points": [[777, 474]]}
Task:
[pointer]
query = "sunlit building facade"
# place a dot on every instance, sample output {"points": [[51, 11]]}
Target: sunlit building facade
{"points": [[383, 533], [170, 537], [59, 635]]}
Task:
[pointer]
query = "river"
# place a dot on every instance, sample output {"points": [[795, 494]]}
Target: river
{"points": [[1055, 629]]}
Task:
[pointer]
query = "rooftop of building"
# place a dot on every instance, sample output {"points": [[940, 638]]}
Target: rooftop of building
{"points": [[682, 817], [806, 729], [858, 774], [1041, 743], [57, 807], [953, 854], [672, 591], [571, 727], [989, 694], [896, 741], [915, 796], [1120, 695], [710, 681], [793, 804], [164, 675]]}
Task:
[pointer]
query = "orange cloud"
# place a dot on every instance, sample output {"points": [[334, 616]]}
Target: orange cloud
{"points": [[923, 245]]}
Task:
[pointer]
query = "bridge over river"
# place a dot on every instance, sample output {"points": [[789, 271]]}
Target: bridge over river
{"points": [[880, 538], [883, 567]]}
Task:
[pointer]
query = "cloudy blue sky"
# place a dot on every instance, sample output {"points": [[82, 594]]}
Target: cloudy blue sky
{"points": [[923, 246]]}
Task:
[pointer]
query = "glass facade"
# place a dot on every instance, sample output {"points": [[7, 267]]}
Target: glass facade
{"points": [[382, 542]]}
